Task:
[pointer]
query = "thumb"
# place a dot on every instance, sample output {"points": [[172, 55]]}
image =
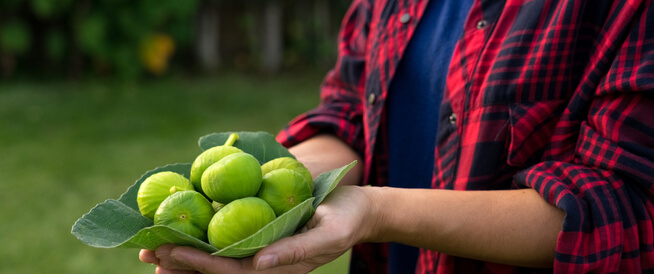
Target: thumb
{"points": [[312, 247]]}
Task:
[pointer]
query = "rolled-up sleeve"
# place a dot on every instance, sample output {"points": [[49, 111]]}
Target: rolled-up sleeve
{"points": [[340, 111], [607, 189]]}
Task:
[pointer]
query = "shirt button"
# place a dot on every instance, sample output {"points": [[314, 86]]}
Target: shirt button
{"points": [[405, 18], [371, 98], [481, 24], [452, 118]]}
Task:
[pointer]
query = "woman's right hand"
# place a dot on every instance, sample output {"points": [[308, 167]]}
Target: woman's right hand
{"points": [[340, 222]]}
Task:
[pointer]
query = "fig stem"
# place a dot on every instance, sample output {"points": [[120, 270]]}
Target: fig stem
{"points": [[173, 189], [231, 139]]}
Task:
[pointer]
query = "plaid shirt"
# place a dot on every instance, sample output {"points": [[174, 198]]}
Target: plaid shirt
{"points": [[550, 95]]}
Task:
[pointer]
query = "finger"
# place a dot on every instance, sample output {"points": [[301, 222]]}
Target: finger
{"points": [[166, 261], [161, 270], [299, 248], [148, 256], [206, 263]]}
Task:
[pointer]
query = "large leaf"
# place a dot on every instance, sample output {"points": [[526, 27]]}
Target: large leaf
{"points": [[261, 145], [118, 223], [108, 224]]}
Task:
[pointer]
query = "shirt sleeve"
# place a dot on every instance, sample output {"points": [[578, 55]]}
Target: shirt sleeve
{"points": [[340, 111], [607, 189]]}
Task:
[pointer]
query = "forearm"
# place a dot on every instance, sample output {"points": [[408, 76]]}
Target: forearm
{"points": [[514, 227], [326, 152]]}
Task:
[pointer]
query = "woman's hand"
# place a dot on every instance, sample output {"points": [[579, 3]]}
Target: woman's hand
{"points": [[340, 222]]}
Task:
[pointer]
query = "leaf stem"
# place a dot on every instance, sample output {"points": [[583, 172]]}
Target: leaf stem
{"points": [[231, 139]]}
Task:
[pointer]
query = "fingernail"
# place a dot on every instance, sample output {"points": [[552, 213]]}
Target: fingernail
{"points": [[267, 261]]}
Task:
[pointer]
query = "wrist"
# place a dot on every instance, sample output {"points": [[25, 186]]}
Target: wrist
{"points": [[374, 221], [401, 215]]}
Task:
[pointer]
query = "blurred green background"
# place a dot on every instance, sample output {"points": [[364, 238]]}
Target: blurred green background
{"points": [[95, 93], [74, 39]]}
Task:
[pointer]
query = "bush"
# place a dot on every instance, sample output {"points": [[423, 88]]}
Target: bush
{"points": [[108, 35]]}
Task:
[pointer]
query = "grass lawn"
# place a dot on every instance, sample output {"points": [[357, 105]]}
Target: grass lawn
{"points": [[67, 146]]}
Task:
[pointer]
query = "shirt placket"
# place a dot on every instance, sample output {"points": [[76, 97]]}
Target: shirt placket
{"points": [[386, 52], [462, 87]]}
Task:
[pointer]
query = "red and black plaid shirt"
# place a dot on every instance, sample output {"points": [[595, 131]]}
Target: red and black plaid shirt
{"points": [[550, 95]]}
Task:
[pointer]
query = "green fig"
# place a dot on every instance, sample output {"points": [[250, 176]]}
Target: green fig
{"points": [[238, 220], [156, 188], [235, 176], [187, 211], [283, 189], [288, 163], [209, 157]]}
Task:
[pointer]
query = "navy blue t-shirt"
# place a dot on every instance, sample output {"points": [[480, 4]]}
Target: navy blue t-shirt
{"points": [[414, 98]]}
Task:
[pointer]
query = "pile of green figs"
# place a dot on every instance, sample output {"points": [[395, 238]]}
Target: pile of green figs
{"points": [[228, 197]]}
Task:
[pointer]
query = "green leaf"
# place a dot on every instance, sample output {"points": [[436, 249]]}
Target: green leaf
{"points": [[119, 224], [326, 182], [261, 145], [114, 224], [109, 224]]}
